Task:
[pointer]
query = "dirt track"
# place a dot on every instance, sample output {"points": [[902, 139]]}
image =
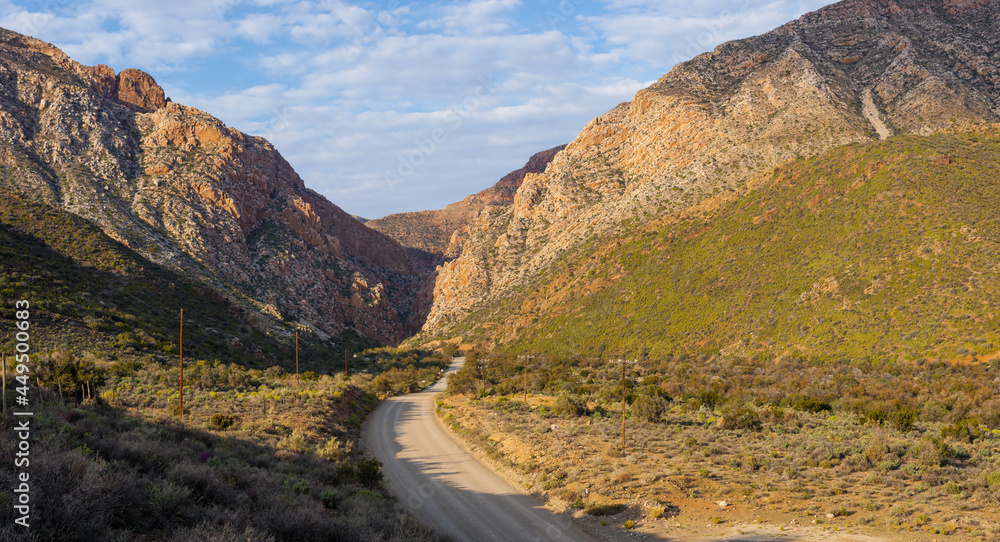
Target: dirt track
{"points": [[447, 488]]}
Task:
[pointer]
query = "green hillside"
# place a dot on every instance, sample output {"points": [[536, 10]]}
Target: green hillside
{"points": [[887, 250], [88, 291]]}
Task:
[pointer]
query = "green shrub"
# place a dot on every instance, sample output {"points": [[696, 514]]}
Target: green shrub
{"points": [[740, 418], [220, 421], [569, 405], [649, 408], [903, 420], [369, 472], [329, 499], [805, 403], [966, 430], [603, 509]]}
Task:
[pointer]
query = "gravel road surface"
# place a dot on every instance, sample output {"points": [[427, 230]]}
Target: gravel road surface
{"points": [[445, 486]]}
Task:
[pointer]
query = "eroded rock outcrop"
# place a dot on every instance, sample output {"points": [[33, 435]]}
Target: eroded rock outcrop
{"points": [[434, 237], [728, 116], [183, 189]]}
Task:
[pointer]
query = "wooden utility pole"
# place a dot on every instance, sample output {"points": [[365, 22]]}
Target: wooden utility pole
{"points": [[526, 358], [482, 373], [4, 401], [181, 410], [525, 380], [623, 363], [296, 358]]}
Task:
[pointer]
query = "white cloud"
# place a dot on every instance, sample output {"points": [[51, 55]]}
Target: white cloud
{"points": [[351, 92], [477, 18], [659, 33]]}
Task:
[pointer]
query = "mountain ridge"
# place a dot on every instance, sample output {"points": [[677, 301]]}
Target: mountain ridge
{"points": [[186, 191], [433, 237], [727, 116]]}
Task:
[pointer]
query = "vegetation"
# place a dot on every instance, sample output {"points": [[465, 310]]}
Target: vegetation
{"points": [[871, 445], [884, 251], [86, 289], [258, 455]]}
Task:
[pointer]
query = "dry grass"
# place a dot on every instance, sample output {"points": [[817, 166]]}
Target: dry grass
{"points": [[256, 457], [932, 474]]}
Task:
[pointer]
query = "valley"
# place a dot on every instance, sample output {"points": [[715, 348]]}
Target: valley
{"points": [[792, 238]]}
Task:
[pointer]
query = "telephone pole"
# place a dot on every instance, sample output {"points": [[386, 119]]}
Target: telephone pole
{"points": [[181, 409], [623, 363], [525, 358], [296, 358], [4, 396]]}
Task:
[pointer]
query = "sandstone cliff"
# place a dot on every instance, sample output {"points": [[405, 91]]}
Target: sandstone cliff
{"points": [[433, 237], [184, 190], [721, 119]]}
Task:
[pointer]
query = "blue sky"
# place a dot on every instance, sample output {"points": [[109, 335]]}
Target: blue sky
{"points": [[394, 106]]}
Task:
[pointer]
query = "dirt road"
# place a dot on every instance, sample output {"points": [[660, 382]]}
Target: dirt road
{"points": [[445, 486]]}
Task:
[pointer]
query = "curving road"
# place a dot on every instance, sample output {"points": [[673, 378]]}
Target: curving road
{"points": [[447, 488]]}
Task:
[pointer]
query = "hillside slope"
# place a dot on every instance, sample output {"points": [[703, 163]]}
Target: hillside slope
{"points": [[833, 77], [887, 249], [89, 292], [433, 237], [179, 187]]}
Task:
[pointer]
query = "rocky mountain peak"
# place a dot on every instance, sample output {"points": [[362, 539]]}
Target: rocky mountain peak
{"points": [[184, 190], [851, 72], [132, 87], [433, 237]]}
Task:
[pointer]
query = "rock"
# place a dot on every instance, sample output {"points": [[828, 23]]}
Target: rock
{"points": [[136, 87], [435, 237], [105, 82], [720, 122], [206, 200]]}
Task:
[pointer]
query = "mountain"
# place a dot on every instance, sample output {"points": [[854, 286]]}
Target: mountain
{"points": [[851, 73], [433, 237], [185, 191], [90, 292], [884, 250]]}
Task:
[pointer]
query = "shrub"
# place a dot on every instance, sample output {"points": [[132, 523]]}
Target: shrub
{"points": [[221, 421], [331, 450], [903, 420], [369, 472], [805, 403], [937, 452], [965, 430], [329, 499], [649, 408], [569, 405], [708, 399], [603, 509], [874, 416], [740, 418], [296, 442]]}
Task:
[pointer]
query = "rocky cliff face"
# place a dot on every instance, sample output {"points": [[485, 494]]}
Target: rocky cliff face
{"points": [[433, 237], [183, 189], [840, 75]]}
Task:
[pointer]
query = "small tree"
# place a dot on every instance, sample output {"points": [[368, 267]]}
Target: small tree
{"points": [[569, 405], [649, 408]]}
